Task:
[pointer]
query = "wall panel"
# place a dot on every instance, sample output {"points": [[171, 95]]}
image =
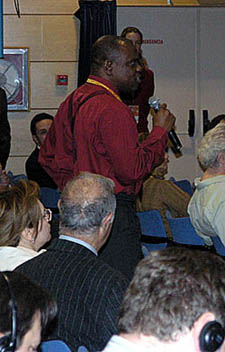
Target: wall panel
{"points": [[44, 93], [50, 38], [42, 6]]}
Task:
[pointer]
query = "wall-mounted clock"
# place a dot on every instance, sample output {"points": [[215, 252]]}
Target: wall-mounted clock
{"points": [[14, 77], [9, 79]]}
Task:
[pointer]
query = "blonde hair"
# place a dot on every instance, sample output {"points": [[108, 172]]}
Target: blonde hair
{"points": [[19, 209]]}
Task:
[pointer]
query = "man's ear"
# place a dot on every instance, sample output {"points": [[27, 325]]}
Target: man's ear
{"points": [[221, 158], [107, 222], [108, 67], [35, 139], [58, 204], [106, 226], [198, 326]]}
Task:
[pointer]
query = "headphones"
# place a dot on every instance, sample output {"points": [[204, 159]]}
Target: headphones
{"points": [[8, 342], [211, 337]]}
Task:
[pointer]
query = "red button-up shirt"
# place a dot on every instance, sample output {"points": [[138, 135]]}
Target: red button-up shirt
{"points": [[106, 141]]}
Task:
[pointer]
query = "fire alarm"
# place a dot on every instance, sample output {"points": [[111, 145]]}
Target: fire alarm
{"points": [[62, 80]]}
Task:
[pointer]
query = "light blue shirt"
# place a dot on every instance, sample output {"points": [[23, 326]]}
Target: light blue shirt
{"points": [[82, 243], [207, 208], [120, 344]]}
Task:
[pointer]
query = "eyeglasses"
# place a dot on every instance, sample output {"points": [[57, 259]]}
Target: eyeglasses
{"points": [[47, 215]]}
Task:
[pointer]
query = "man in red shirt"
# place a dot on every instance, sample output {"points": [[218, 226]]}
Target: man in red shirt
{"points": [[95, 131]]}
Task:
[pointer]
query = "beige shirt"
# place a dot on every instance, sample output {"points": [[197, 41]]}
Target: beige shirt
{"points": [[11, 257]]}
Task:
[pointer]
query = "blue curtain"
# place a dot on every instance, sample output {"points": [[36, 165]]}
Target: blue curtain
{"points": [[97, 18]]}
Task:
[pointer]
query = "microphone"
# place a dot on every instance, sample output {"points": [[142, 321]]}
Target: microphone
{"points": [[154, 104]]}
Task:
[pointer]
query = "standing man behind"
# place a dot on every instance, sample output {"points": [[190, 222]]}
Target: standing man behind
{"points": [[5, 136], [138, 101], [88, 291], [104, 140], [39, 127]]}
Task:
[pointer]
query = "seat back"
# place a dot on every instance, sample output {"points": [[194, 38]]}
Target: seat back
{"points": [[151, 223], [82, 349], [152, 226], [220, 249], [185, 185], [49, 197], [183, 231], [54, 346]]}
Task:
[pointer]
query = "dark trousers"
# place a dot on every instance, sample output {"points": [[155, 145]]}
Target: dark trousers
{"points": [[123, 249]]}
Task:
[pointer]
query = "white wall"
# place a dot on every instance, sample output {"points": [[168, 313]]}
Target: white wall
{"points": [[185, 49]]}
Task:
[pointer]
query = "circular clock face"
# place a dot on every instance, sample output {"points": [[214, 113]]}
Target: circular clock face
{"points": [[9, 79]]}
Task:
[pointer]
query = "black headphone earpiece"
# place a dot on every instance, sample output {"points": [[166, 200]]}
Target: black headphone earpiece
{"points": [[211, 336], [8, 342], [5, 344]]}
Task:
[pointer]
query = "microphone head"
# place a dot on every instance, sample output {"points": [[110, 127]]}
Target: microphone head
{"points": [[154, 103]]}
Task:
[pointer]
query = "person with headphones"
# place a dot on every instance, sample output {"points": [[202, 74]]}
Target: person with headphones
{"points": [[26, 310], [174, 303]]}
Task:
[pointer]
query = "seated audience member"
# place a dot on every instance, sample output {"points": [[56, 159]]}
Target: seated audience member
{"points": [[7, 179], [24, 226], [88, 291], [139, 101], [26, 310], [39, 127], [5, 131], [175, 302], [163, 195], [207, 205]]}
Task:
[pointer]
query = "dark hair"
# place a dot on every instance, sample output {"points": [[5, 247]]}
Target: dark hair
{"points": [[107, 47], [37, 118], [85, 201], [216, 120], [170, 290], [29, 298], [19, 208], [131, 30]]}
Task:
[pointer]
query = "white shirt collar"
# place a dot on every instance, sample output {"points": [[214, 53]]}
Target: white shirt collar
{"points": [[82, 243]]}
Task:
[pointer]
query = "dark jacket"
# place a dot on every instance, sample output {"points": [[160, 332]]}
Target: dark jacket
{"points": [[88, 293], [36, 173], [5, 136]]}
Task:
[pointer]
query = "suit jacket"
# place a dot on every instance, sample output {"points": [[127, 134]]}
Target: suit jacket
{"points": [[5, 136], [88, 293], [36, 173]]}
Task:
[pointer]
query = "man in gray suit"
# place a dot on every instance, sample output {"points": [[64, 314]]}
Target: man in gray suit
{"points": [[87, 290]]}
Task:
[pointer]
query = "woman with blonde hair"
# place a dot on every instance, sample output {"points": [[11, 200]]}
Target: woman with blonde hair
{"points": [[24, 224]]}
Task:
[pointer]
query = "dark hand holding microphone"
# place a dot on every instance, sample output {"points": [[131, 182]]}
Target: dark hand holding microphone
{"points": [[154, 104]]}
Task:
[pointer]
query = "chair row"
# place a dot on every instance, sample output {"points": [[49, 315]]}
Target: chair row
{"points": [[185, 185], [154, 236]]}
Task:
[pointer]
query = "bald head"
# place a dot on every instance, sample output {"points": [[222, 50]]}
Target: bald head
{"points": [[108, 47], [85, 201]]}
